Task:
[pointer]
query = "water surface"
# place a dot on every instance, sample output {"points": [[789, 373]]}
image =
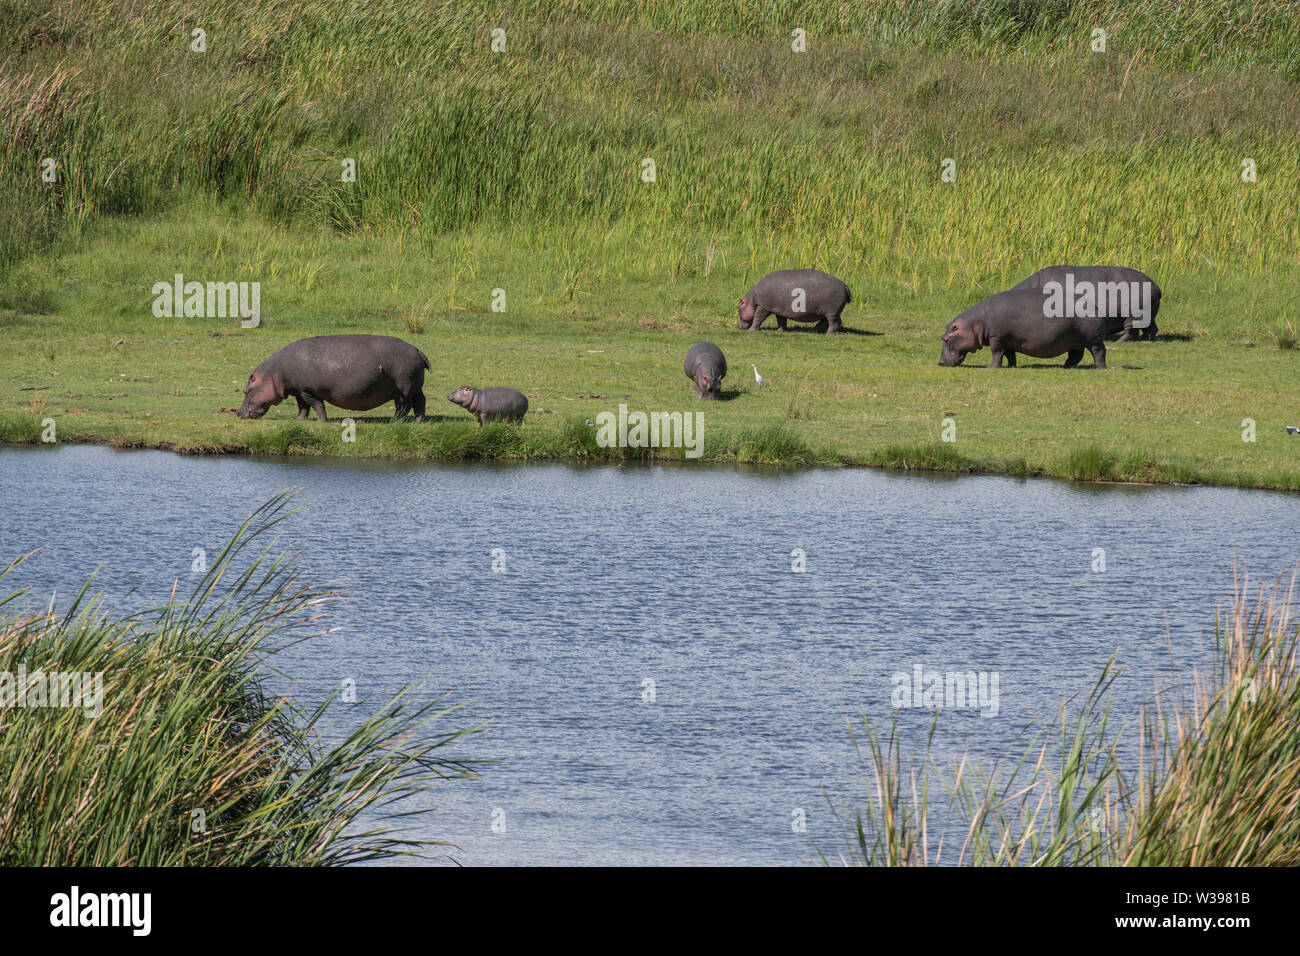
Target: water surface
{"points": [[615, 576]]}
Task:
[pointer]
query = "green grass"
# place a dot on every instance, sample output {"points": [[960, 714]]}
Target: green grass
{"points": [[188, 759], [1215, 782], [521, 171], [104, 369]]}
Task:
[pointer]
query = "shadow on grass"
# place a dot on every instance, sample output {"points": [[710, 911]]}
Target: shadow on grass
{"points": [[337, 419], [1077, 368], [726, 395], [812, 330]]}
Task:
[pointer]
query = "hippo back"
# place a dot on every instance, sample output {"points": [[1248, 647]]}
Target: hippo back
{"points": [[704, 352]]}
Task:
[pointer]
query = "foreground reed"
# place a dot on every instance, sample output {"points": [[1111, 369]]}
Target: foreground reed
{"points": [[181, 756], [1216, 781]]}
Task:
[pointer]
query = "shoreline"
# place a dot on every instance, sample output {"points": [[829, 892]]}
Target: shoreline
{"points": [[923, 465]]}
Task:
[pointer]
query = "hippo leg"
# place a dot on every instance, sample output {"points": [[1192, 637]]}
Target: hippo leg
{"points": [[760, 314], [1073, 358], [833, 324], [1098, 355], [780, 323], [400, 408], [316, 405], [822, 326], [1127, 335], [303, 407], [1011, 358], [417, 404]]}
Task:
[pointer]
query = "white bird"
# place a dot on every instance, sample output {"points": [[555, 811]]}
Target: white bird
{"points": [[590, 423], [1292, 430], [758, 378]]}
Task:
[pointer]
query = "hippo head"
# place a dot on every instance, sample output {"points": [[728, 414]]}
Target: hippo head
{"points": [[746, 314], [465, 397], [959, 339], [708, 384], [261, 392]]}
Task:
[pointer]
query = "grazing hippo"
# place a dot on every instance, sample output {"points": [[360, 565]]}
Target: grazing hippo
{"points": [[491, 404], [356, 372], [804, 295], [1013, 321], [1126, 298], [706, 366]]}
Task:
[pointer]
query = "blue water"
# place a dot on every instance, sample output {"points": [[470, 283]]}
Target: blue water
{"points": [[615, 576]]}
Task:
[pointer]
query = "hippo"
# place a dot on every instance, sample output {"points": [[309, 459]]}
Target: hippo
{"points": [[491, 404], [804, 295], [1013, 321], [1119, 294], [706, 366], [356, 372]]}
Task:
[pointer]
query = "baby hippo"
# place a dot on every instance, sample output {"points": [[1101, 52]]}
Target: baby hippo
{"points": [[1013, 321], [706, 366], [491, 404]]}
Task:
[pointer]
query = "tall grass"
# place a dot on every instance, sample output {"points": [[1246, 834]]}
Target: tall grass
{"points": [[1216, 781], [1188, 35], [192, 761], [830, 158]]}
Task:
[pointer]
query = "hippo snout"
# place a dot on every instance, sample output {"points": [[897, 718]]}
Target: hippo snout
{"points": [[950, 357]]}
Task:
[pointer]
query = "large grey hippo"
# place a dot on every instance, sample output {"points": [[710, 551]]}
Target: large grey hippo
{"points": [[706, 366], [804, 295], [1013, 321], [356, 372], [1128, 299]]}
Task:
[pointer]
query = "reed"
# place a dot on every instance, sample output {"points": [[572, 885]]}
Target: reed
{"points": [[1206, 776], [555, 131], [190, 760]]}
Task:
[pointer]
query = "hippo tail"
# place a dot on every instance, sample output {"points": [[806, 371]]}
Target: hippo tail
{"points": [[848, 294], [425, 359]]}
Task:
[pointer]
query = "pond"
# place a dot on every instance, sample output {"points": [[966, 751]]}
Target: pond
{"points": [[661, 684]]}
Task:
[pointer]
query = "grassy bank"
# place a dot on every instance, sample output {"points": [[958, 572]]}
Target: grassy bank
{"points": [[99, 365], [178, 754], [1215, 782], [522, 171]]}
